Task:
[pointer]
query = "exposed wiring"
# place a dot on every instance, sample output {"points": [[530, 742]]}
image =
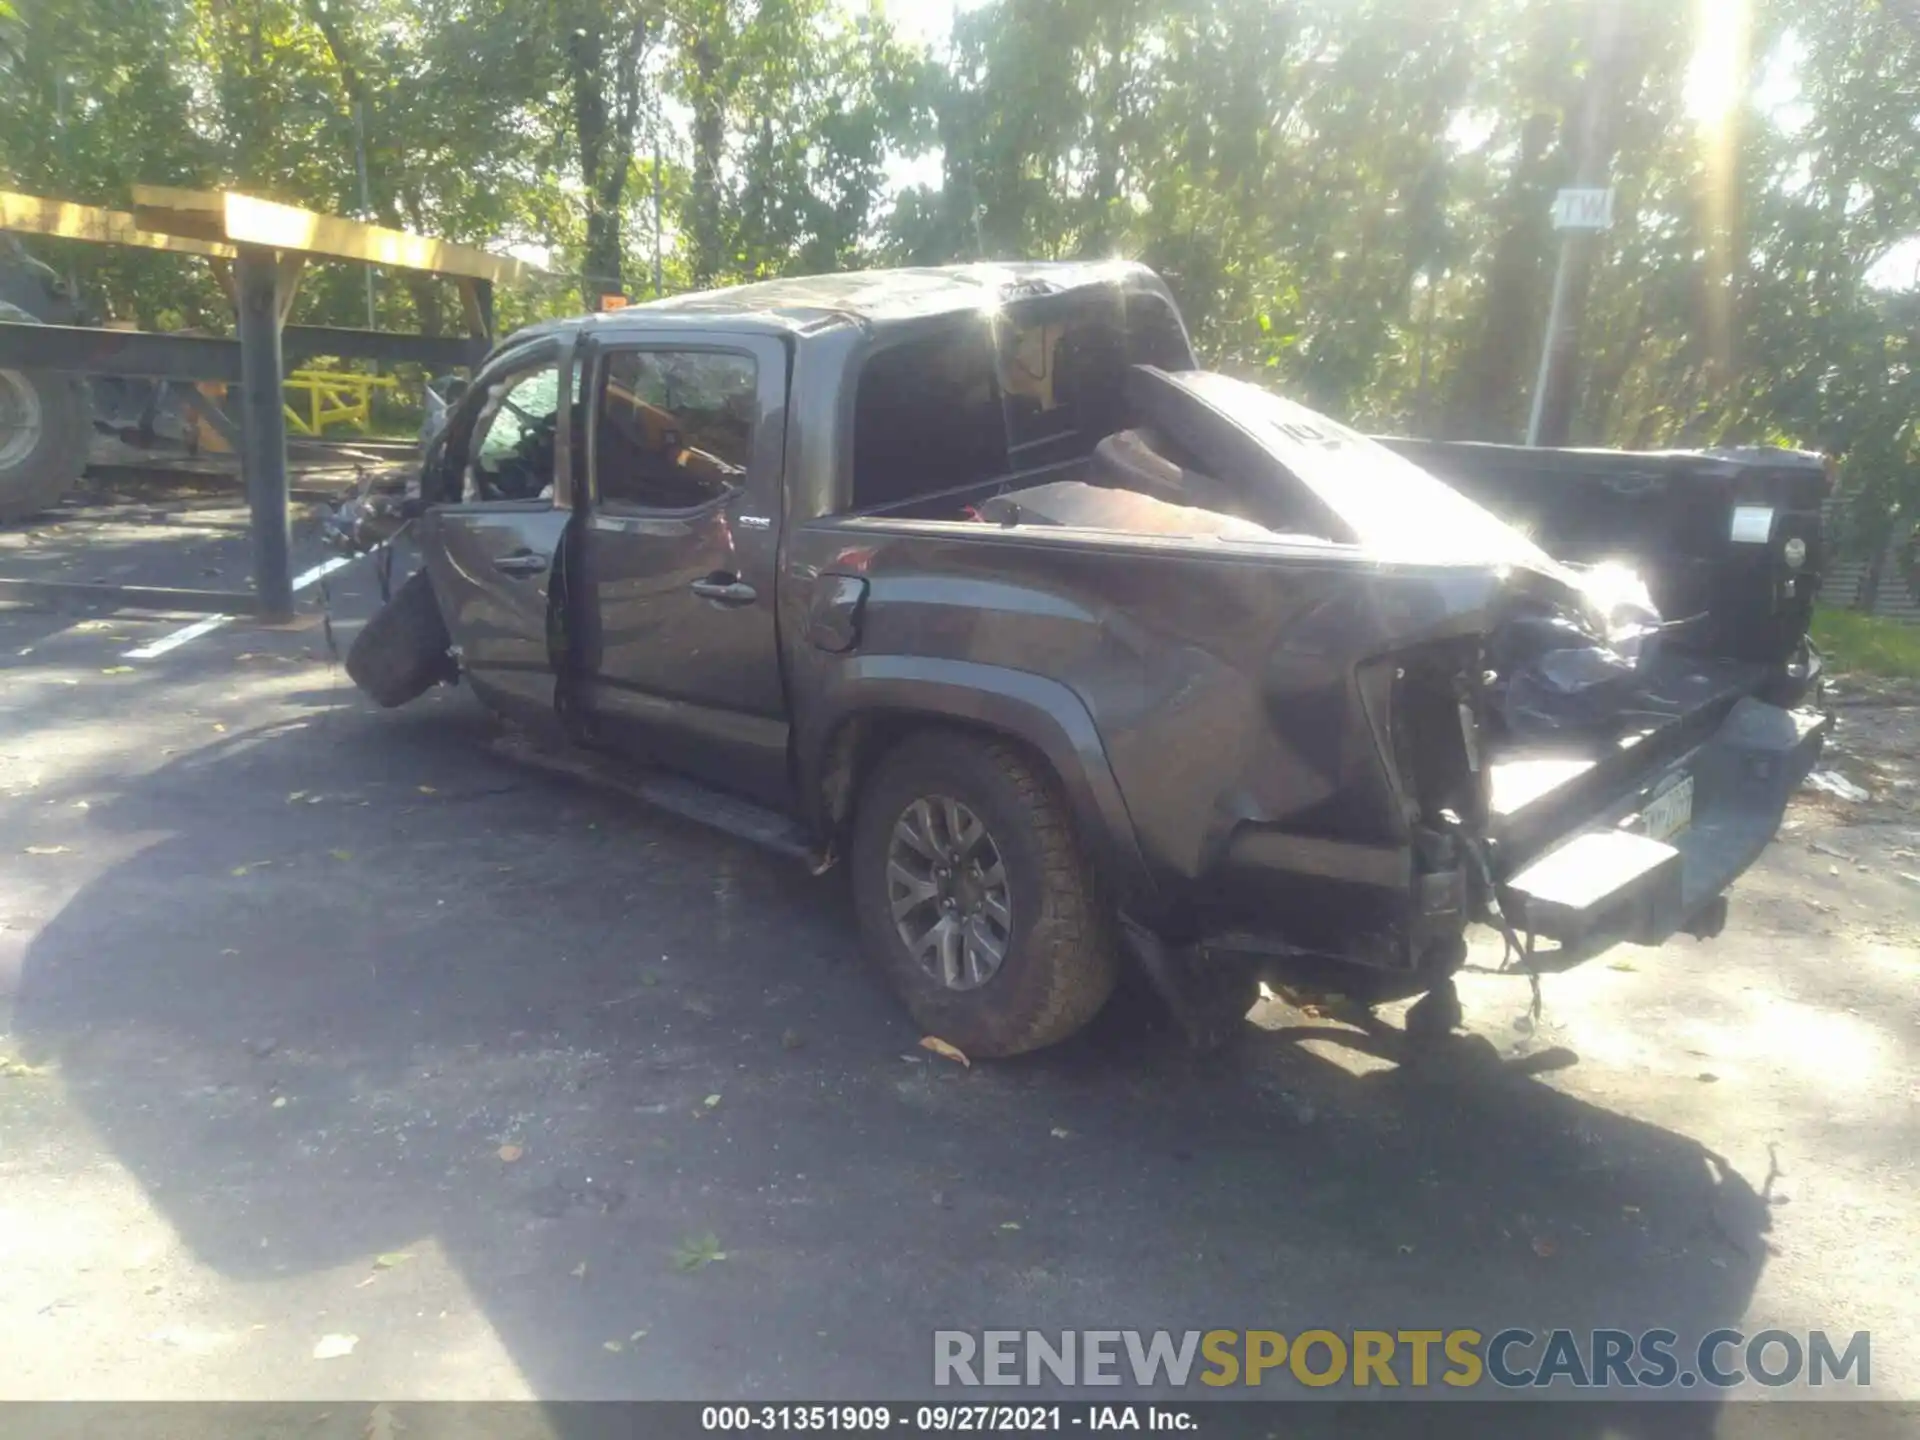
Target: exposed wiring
{"points": [[1515, 953]]}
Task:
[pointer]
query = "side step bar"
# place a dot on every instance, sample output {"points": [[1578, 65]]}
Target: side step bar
{"points": [[673, 793]]}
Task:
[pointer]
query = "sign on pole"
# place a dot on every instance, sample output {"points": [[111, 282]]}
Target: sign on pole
{"points": [[1583, 210]]}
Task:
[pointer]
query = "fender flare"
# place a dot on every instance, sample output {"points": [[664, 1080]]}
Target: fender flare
{"points": [[1043, 714]]}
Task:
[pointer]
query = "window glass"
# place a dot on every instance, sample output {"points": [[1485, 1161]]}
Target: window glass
{"points": [[513, 441], [927, 417], [1063, 361], [1040, 381], [675, 429]]}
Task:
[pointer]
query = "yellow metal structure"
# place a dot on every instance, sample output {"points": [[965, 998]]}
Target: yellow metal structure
{"points": [[333, 397]]}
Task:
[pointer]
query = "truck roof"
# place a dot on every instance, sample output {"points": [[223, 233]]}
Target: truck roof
{"points": [[872, 298]]}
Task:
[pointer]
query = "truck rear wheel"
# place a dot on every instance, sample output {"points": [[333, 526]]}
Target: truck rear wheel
{"points": [[45, 426], [976, 898], [403, 651]]}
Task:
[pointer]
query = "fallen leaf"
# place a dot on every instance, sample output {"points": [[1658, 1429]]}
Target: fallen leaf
{"points": [[47, 850], [118, 670], [19, 1069], [579, 1272], [1629, 1209], [711, 1101], [390, 1259], [296, 797], [219, 729], [509, 1153], [1543, 1247], [614, 1345], [1621, 965], [332, 1347], [1060, 1132], [428, 790], [240, 869], [698, 1253], [1009, 1224], [279, 1102], [945, 1051], [1707, 1077], [636, 1337], [341, 854]]}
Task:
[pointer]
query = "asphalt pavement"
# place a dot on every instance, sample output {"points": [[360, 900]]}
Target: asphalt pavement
{"points": [[344, 1058]]}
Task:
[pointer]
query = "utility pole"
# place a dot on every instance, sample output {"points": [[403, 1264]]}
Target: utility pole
{"points": [[1551, 416]]}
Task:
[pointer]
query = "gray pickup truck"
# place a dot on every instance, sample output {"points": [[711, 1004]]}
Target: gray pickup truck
{"points": [[1076, 656]]}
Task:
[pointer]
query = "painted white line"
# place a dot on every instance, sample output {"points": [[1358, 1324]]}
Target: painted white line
{"points": [[178, 638], [302, 581]]}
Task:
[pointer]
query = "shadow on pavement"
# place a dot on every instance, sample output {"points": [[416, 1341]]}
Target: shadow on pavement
{"points": [[368, 990]]}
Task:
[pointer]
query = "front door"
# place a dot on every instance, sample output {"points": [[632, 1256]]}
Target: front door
{"points": [[678, 556], [492, 555]]}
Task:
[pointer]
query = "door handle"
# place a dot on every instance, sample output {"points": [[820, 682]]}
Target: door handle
{"points": [[521, 562], [727, 589]]}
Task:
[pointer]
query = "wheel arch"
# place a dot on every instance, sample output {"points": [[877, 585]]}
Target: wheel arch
{"points": [[878, 700]]}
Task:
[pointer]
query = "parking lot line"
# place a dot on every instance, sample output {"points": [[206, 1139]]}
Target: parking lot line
{"points": [[302, 581]]}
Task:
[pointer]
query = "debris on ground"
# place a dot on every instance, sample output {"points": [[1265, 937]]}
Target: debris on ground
{"points": [[1832, 782], [945, 1051], [333, 1347], [697, 1253]]}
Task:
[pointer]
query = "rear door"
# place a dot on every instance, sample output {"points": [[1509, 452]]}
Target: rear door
{"points": [[678, 556], [492, 555]]}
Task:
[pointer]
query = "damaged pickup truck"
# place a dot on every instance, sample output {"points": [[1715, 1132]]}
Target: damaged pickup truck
{"points": [[1075, 656]]}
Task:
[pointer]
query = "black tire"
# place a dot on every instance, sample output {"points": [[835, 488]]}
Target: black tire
{"points": [[37, 478], [1058, 968], [404, 650]]}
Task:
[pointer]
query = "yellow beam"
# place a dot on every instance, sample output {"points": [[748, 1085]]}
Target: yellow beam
{"points": [[174, 211], [247, 220], [35, 215]]}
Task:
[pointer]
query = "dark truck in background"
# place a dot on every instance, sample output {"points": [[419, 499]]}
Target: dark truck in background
{"points": [[1075, 655]]}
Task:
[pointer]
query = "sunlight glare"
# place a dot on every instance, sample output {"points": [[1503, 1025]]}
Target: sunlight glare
{"points": [[1716, 75]]}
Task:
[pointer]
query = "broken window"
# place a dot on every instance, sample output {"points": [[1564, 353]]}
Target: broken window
{"points": [[1037, 382], [1063, 363], [513, 444]]}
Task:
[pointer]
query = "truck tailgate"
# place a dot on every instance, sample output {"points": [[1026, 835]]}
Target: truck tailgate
{"points": [[1608, 850]]}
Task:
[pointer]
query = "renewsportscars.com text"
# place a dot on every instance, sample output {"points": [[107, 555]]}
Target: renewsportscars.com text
{"points": [[1395, 1359]]}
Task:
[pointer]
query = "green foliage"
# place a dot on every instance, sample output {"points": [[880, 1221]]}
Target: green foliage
{"points": [[1853, 643], [1349, 197]]}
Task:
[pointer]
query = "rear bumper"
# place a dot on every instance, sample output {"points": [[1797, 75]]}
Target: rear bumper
{"points": [[1609, 882]]}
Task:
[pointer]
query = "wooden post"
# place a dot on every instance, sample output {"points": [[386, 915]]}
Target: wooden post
{"points": [[263, 431], [476, 302]]}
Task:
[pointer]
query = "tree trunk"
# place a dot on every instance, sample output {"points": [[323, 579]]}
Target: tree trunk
{"points": [[1491, 385], [586, 50], [709, 136]]}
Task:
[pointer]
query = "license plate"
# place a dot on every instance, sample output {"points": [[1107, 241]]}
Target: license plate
{"points": [[1671, 812]]}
